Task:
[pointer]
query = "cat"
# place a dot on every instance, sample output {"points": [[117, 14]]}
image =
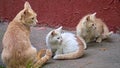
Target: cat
{"points": [[91, 29], [65, 45], [17, 49]]}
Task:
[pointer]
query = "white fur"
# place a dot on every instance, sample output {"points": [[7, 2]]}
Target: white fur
{"points": [[69, 42]]}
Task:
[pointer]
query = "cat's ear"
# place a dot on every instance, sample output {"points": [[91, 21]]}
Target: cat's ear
{"points": [[88, 18], [92, 16], [26, 8], [59, 29], [25, 13], [27, 5], [53, 33]]}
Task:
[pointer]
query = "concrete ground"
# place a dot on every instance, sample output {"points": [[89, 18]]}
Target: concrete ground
{"points": [[98, 55]]}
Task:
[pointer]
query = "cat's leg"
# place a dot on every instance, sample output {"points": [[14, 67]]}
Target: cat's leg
{"points": [[87, 40], [6, 57], [106, 32], [31, 53], [103, 36], [99, 39], [106, 35], [59, 51]]}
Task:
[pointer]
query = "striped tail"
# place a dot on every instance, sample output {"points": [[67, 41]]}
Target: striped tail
{"points": [[40, 61]]}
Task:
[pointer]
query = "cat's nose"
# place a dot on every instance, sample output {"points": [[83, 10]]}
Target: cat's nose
{"points": [[60, 41], [95, 27]]}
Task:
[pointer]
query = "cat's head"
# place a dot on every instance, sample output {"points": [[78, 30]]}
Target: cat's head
{"points": [[55, 36], [89, 21], [27, 16]]}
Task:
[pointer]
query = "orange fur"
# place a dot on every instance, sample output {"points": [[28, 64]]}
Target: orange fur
{"points": [[17, 49], [40, 61], [92, 29]]}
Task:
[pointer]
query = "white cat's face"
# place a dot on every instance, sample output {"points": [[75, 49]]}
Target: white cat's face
{"points": [[55, 36]]}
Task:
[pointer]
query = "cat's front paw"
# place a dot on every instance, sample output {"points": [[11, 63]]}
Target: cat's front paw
{"points": [[99, 40], [55, 57]]}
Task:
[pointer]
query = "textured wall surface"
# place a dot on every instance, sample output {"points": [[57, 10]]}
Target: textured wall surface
{"points": [[65, 12]]}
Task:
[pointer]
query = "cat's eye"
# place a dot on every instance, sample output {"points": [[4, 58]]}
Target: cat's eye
{"points": [[58, 38], [93, 24], [32, 18]]}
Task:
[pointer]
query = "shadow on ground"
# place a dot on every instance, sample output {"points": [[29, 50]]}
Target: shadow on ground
{"points": [[98, 55]]}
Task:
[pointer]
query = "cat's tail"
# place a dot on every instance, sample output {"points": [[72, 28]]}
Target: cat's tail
{"points": [[83, 41], [42, 60], [106, 32], [78, 53], [104, 36]]}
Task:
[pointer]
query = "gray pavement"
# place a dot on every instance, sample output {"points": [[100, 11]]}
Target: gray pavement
{"points": [[98, 55]]}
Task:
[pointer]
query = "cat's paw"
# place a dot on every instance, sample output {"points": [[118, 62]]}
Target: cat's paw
{"points": [[55, 57], [99, 40]]}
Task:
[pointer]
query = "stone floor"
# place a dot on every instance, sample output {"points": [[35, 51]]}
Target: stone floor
{"points": [[98, 55]]}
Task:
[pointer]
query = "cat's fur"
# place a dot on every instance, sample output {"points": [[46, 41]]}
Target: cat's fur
{"points": [[17, 49], [65, 45], [92, 29]]}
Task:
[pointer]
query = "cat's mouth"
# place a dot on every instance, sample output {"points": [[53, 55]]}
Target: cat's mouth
{"points": [[60, 41], [94, 28], [34, 24]]}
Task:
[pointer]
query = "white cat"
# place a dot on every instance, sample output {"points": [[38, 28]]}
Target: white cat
{"points": [[65, 45]]}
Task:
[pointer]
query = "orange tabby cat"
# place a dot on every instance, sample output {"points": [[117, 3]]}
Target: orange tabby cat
{"points": [[18, 51], [92, 29]]}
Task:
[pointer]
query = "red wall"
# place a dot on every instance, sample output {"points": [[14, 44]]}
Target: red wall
{"points": [[65, 12]]}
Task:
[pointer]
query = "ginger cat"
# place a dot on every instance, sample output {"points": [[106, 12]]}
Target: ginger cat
{"points": [[65, 45], [92, 29], [17, 48]]}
